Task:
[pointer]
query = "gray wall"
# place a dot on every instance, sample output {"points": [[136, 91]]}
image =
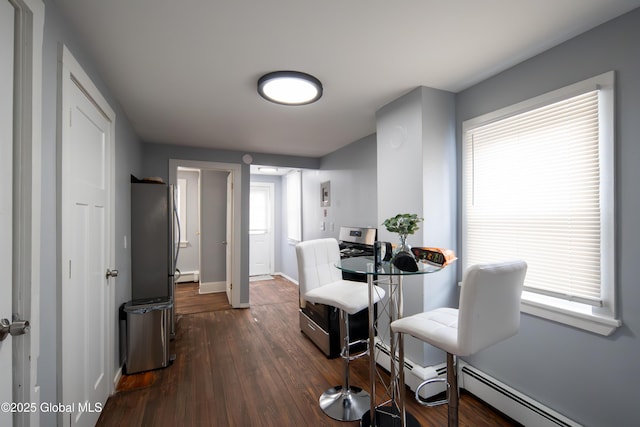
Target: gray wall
{"points": [[213, 221], [128, 161], [351, 171], [416, 174], [589, 378]]}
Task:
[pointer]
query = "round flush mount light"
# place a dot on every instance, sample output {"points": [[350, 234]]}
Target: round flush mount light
{"points": [[290, 88]]}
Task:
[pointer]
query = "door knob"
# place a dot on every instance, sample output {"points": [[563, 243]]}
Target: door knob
{"points": [[111, 273], [18, 327]]}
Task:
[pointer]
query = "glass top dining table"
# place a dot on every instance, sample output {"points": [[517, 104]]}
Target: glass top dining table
{"points": [[391, 411], [366, 265]]}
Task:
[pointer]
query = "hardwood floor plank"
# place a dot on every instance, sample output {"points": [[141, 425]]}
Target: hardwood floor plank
{"points": [[253, 367], [190, 301]]}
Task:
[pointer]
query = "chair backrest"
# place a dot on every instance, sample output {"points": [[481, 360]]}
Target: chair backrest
{"points": [[489, 309], [317, 261]]}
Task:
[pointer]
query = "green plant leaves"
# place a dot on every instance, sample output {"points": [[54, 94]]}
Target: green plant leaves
{"points": [[403, 223]]}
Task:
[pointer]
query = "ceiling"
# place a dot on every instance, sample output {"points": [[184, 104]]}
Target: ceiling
{"points": [[185, 72]]}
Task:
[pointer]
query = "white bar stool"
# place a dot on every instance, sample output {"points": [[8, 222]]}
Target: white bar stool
{"points": [[321, 283], [489, 312]]}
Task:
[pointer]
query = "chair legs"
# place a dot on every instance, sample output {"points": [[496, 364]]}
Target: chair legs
{"points": [[452, 390], [345, 403], [453, 396]]}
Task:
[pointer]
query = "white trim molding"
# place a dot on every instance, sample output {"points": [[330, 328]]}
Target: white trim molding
{"points": [[212, 287]]}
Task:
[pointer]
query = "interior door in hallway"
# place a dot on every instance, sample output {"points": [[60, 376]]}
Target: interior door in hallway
{"points": [[86, 216], [261, 228], [6, 198]]}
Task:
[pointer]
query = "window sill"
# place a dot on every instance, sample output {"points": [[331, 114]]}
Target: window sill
{"points": [[570, 313]]}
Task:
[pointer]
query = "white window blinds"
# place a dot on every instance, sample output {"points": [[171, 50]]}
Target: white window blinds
{"points": [[531, 190]]}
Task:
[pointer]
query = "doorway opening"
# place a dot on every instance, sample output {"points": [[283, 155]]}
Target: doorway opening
{"points": [[261, 229], [209, 237], [271, 251], [187, 192]]}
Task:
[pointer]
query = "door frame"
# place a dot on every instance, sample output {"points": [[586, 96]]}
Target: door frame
{"points": [[235, 172], [272, 223], [27, 200], [72, 73]]}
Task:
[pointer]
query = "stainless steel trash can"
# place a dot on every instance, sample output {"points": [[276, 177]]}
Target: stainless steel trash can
{"points": [[148, 324]]}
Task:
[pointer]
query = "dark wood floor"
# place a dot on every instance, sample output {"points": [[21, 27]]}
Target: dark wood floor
{"points": [[189, 301], [253, 367]]}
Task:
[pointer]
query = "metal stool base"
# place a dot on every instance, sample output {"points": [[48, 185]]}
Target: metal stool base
{"points": [[348, 405], [387, 416]]}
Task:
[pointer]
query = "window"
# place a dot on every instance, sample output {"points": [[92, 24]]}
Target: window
{"points": [[294, 206], [538, 185], [181, 202]]}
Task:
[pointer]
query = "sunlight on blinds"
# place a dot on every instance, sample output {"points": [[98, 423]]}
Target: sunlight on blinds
{"points": [[532, 191]]}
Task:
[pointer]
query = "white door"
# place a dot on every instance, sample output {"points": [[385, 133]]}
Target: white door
{"points": [[86, 226], [21, 26], [229, 240], [6, 197], [261, 239]]}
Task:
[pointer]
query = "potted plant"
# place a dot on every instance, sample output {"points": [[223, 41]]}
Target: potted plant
{"points": [[403, 224]]}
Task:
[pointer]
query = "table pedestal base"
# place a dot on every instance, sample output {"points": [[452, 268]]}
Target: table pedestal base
{"points": [[387, 416]]}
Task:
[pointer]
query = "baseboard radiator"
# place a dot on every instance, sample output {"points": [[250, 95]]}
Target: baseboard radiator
{"points": [[505, 399], [188, 276], [414, 374], [509, 401]]}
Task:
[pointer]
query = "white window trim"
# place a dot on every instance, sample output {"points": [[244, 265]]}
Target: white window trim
{"points": [[600, 320], [182, 211], [294, 214]]}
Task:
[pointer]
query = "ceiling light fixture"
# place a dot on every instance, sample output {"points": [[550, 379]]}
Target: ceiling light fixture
{"points": [[267, 169], [290, 88]]}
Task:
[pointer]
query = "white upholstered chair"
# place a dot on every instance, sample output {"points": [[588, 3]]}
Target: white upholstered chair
{"points": [[321, 283], [489, 312]]}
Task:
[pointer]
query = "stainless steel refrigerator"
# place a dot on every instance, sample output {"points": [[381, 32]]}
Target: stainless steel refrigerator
{"points": [[153, 250]]}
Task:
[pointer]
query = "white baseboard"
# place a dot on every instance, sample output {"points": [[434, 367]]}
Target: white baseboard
{"points": [[116, 380], [509, 401], [188, 276], [212, 287], [291, 279]]}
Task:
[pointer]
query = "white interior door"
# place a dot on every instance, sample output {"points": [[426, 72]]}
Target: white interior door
{"points": [[229, 240], [21, 24], [87, 314], [261, 235], [6, 198]]}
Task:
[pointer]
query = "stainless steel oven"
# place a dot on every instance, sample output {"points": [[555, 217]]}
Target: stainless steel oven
{"points": [[321, 322]]}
